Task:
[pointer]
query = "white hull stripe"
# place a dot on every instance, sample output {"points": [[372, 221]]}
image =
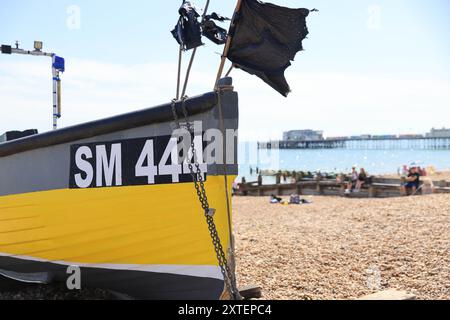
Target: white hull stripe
{"points": [[202, 271]]}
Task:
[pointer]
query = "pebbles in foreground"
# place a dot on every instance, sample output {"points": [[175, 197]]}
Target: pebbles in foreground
{"points": [[340, 248]]}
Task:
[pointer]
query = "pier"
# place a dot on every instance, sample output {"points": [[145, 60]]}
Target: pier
{"points": [[397, 143]]}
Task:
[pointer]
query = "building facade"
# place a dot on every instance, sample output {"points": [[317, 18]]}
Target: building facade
{"points": [[303, 135], [439, 133]]}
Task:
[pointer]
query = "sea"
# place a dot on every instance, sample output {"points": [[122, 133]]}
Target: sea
{"points": [[375, 162]]}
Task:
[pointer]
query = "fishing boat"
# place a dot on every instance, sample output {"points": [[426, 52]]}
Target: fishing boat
{"points": [[104, 196], [140, 203]]}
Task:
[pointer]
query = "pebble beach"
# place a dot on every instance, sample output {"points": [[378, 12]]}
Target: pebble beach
{"points": [[341, 248]]}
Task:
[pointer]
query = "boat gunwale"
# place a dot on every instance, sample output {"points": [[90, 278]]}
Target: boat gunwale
{"points": [[157, 114]]}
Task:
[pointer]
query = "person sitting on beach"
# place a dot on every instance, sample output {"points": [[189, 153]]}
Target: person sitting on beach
{"points": [[412, 181], [275, 199], [362, 177], [353, 179], [405, 171], [423, 172], [235, 187]]}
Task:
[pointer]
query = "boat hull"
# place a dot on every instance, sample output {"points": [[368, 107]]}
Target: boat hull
{"points": [[146, 239]]}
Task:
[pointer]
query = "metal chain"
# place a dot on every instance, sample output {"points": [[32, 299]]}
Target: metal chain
{"points": [[208, 211]]}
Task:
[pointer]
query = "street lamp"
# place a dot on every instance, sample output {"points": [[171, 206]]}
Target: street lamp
{"points": [[58, 66]]}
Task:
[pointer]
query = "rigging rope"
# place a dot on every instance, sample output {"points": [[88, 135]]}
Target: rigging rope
{"points": [[229, 71], [180, 58]]}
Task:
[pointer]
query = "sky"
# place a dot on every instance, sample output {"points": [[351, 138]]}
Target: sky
{"points": [[369, 66]]}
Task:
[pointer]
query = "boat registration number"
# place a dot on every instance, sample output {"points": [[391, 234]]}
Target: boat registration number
{"points": [[143, 161]]}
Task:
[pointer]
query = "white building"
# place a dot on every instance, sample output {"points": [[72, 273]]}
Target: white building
{"points": [[303, 135], [439, 133]]}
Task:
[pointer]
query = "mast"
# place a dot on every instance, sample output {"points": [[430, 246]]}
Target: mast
{"points": [[228, 44]]}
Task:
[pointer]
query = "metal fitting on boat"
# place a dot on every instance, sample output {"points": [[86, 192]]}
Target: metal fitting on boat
{"points": [[211, 212], [225, 84]]}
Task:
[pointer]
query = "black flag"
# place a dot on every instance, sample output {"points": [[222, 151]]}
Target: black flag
{"points": [[266, 39], [188, 31], [212, 31]]}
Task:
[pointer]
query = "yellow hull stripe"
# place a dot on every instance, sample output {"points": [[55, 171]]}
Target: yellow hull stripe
{"points": [[142, 225]]}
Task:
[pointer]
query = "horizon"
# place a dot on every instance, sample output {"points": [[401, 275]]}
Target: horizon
{"points": [[368, 67]]}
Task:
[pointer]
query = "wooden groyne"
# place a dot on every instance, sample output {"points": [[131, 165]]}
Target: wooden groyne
{"points": [[377, 188]]}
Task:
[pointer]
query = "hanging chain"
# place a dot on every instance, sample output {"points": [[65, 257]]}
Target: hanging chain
{"points": [[199, 184]]}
